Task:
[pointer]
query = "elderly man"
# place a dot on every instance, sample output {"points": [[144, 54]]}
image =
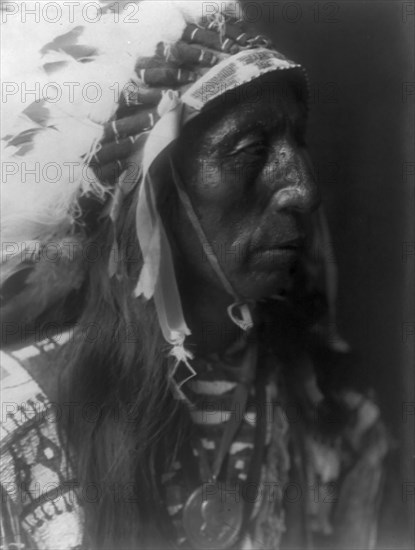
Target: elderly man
{"points": [[182, 407]]}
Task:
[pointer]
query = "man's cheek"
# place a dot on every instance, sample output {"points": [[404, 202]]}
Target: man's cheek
{"points": [[210, 176], [230, 255], [227, 241], [218, 183]]}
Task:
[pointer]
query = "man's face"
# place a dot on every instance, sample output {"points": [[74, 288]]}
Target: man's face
{"points": [[248, 177]]}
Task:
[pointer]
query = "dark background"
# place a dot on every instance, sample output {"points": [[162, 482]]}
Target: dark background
{"points": [[359, 56]]}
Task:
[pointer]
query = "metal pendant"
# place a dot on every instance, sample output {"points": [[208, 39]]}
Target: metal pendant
{"points": [[213, 518]]}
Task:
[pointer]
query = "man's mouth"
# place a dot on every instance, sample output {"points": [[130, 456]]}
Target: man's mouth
{"points": [[293, 245], [279, 254]]}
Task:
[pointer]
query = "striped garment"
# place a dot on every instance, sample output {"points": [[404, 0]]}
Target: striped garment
{"points": [[210, 400]]}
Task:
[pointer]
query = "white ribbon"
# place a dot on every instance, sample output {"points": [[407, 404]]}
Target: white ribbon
{"points": [[157, 278]]}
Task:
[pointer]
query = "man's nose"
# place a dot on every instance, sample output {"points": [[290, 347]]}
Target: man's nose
{"points": [[295, 185]]}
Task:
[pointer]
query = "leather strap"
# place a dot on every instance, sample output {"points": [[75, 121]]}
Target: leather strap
{"points": [[211, 256], [255, 468]]}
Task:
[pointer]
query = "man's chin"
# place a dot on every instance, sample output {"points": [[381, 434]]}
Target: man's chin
{"points": [[261, 285]]}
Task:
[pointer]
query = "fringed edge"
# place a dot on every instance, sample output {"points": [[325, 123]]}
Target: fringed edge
{"points": [[181, 356]]}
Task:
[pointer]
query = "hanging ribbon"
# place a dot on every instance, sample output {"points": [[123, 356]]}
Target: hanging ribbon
{"points": [[157, 278]]}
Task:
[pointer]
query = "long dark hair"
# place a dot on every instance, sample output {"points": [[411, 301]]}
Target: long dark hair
{"points": [[124, 424]]}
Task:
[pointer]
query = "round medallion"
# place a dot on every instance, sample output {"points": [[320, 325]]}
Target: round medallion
{"points": [[212, 517]]}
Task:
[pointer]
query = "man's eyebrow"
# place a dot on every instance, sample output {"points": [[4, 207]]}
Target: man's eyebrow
{"points": [[230, 140], [258, 127]]}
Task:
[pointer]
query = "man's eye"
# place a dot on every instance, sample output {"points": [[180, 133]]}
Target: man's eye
{"points": [[256, 148]]}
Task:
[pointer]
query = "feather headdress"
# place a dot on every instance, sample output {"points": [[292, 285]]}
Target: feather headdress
{"points": [[88, 92], [64, 78], [60, 86]]}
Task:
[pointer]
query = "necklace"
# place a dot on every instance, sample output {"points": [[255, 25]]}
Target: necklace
{"points": [[213, 515]]}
